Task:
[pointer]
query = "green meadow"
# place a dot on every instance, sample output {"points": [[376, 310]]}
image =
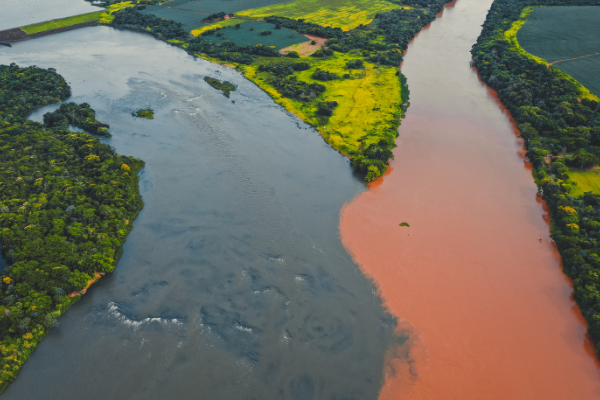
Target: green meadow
{"points": [[587, 181], [344, 14]]}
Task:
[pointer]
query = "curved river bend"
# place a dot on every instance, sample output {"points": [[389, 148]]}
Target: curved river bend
{"points": [[490, 307], [234, 283]]}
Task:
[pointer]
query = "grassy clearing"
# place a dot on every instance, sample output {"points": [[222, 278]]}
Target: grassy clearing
{"points": [[548, 34], [61, 23], [221, 24], [101, 16], [345, 14], [249, 33], [368, 102], [587, 181]]}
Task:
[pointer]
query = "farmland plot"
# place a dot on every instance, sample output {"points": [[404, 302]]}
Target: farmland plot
{"points": [[565, 36]]}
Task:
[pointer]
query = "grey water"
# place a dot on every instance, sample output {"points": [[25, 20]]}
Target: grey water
{"points": [[16, 13], [234, 283]]}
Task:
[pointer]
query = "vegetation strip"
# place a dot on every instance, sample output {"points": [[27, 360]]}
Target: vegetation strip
{"points": [[349, 90], [67, 203], [560, 122]]}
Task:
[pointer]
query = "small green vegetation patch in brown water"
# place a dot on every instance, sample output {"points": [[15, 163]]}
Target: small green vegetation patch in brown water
{"points": [[224, 86], [147, 113]]}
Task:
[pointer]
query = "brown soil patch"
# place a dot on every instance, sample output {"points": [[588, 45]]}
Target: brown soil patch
{"points": [[305, 48], [97, 276]]}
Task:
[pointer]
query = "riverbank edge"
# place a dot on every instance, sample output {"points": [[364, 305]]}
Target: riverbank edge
{"points": [[28, 343], [553, 189]]}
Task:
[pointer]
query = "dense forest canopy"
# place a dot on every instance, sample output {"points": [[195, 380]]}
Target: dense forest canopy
{"points": [[561, 130], [67, 202]]}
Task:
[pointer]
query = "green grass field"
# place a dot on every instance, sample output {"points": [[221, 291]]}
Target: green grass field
{"points": [[102, 16], [60, 23], [561, 33], [243, 36], [368, 102], [587, 181], [345, 14]]}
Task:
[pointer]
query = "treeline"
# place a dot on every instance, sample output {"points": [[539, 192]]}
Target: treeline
{"points": [[131, 18], [553, 119], [80, 115], [67, 202], [308, 28]]}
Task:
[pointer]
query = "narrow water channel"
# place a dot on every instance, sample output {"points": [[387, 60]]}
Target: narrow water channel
{"points": [[234, 283], [475, 278]]}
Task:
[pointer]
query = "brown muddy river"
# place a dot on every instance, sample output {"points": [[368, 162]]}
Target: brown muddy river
{"points": [[489, 311]]}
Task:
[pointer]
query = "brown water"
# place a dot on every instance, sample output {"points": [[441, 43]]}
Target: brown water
{"points": [[490, 312]]}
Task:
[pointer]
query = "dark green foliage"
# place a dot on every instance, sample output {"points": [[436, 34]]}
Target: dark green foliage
{"points": [[551, 119], [224, 86], [216, 17], [321, 75], [306, 27], [24, 89], [326, 108], [67, 202], [229, 51], [81, 116], [163, 28], [404, 224], [355, 64], [284, 69], [265, 33], [322, 53], [298, 90], [147, 113]]}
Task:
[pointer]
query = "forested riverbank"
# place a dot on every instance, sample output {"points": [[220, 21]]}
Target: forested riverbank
{"points": [[560, 122], [67, 203], [356, 70]]}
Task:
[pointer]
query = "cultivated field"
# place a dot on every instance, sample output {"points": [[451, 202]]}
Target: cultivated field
{"points": [[564, 33], [345, 14], [243, 36], [587, 181], [191, 13]]}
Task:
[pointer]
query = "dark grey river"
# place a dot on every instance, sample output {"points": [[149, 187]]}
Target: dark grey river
{"points": [[234, 283], [16, 13]]}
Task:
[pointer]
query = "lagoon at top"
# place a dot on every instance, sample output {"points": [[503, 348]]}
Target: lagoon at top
{"points": [[17, 13], [234, 283]]}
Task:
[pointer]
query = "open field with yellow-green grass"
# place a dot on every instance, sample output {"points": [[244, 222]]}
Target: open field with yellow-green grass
{"points": [[587, 181], [344, 14], [368, 102], [102, 16], [61, 23]]}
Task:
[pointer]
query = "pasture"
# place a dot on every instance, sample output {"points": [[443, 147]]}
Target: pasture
{"points": [[566, 33], [243, 36], [344, 14], [61, 23], [368, 101], [587, 181]]}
